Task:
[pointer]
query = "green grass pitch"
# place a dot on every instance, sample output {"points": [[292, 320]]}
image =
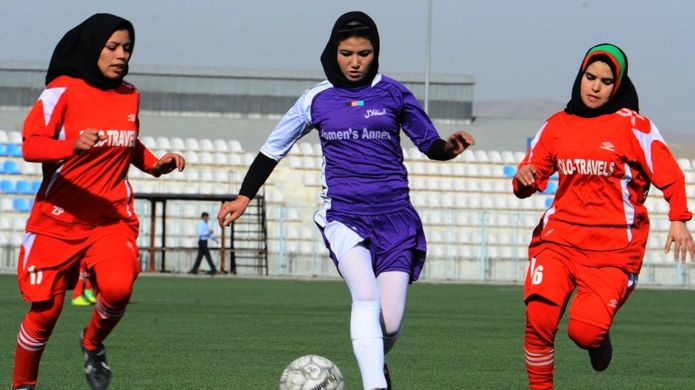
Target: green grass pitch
{"points": [[237, 333]]}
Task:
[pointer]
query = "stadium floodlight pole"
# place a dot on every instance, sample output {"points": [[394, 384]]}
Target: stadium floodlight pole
{"points": [[428, 56]]}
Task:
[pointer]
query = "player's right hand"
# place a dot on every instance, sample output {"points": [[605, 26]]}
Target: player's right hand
{"points": [[87, 139], [526, 175], [231, 211]]}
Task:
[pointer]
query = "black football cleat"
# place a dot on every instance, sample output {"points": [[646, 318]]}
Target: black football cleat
{"points": [[96, 368], [601, 356], [24, 387]]}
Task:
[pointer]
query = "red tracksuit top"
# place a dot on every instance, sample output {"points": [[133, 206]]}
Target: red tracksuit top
{"points": [[605, 165], [80, 192]]}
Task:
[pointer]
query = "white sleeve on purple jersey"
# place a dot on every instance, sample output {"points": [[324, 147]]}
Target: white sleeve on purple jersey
{"points": [[294, 125]]}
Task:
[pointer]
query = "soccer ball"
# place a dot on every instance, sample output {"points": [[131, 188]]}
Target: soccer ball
{"points": [[311, 372]]}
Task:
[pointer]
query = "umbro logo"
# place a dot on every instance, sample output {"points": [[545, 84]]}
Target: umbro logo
{"points": [[607, 145], [132, 117]]}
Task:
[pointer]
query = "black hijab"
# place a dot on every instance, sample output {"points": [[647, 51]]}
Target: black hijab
{"points": [[348, 24], [78, 52], [625, 96]]}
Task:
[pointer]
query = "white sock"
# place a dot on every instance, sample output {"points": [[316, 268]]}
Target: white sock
{"points": [[368, 343]]}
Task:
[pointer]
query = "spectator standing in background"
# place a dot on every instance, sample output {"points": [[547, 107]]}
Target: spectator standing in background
{"points": [[204, 234]]}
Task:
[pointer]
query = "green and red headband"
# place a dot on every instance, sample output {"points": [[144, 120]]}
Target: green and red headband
{"points": [[614, 54]]}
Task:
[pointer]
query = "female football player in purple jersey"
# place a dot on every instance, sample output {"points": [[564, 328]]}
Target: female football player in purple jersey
{"points": [[372, 232]]}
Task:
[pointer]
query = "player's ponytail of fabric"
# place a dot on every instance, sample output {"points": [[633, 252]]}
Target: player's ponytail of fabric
{"points": [[623, 95], [77, 53], [350, 24]]}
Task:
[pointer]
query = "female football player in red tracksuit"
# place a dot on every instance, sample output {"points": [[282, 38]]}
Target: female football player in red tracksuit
{"points": [[84, 131], [593, 237]]}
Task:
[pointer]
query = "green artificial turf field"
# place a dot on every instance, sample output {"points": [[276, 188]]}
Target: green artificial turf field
{"points": [[237, 333]]}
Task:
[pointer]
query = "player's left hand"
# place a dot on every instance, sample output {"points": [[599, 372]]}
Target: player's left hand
{"points": [[458, 142], [680, 235], [168, 163]]}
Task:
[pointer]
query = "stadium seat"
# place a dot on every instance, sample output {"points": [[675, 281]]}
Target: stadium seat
{"points": [[306, 149], [468, 156], [551, 188], [220, 159], [220, 145], [191, 175], [191, 144], [481, 156], [206, 145], [23, 187], [503, 186], [179, 145], [7, 186], [486, 170], [472, 170], [206, 158], [513, 202], [509, 171], [221, 176], [274, 196], [311, 179], [685, 164], [14, 150], [163, 143], [206, 175], [437, 252], [415, 154], [235, 146], [3, 137], [14, 137], [30, 168], [495, 157], [149, 142], [5, 204], [508, 157], [235, 160], [539, 202], [459, 170], [21, 204], [192, 157], [3, 150], [309, 162], [446, 184], [11, 168], [548, 202]]}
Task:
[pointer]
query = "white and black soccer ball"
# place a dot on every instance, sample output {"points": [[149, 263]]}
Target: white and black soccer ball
{"points": [[311, 372]]}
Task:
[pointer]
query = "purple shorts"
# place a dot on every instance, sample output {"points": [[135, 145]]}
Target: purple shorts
{"points": [[395, 240]]}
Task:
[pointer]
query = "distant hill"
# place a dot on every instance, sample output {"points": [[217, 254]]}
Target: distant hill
{"points": [[516, 109]]}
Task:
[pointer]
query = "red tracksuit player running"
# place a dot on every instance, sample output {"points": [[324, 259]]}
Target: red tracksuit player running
{"points": [[84, 131], [593, 237]]}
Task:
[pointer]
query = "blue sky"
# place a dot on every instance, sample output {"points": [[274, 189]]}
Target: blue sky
{"points": [[514, 49]]}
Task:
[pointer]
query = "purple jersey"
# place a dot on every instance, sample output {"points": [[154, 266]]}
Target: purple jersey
{"points": [[363, 171]]}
